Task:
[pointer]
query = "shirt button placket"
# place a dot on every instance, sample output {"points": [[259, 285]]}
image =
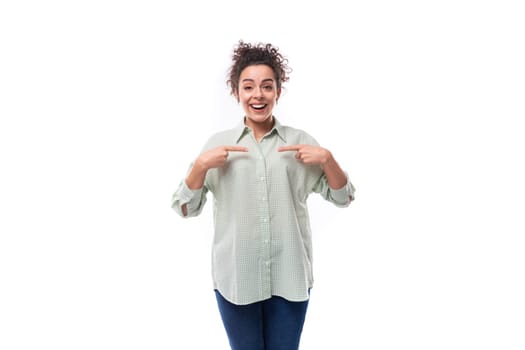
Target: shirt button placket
{"points": [[264, 214]]}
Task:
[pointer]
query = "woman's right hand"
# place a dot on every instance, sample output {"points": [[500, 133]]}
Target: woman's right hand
{"points": [[217, 157]]}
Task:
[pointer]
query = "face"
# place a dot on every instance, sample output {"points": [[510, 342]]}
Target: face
{"points": [[258, 93]]}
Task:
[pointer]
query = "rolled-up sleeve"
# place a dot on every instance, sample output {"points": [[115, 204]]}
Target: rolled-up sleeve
{"points": [[194, 200], [340, 197]]}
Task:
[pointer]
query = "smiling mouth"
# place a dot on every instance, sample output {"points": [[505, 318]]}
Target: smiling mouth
{"points": [[258, 107]]}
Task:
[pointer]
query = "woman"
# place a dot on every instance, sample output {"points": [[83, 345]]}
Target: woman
{"points": [[260, 174]]}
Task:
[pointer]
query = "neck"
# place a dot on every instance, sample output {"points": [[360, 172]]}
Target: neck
{"points": [[260, 129]]}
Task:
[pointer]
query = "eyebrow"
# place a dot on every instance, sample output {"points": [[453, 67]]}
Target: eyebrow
{"points": [[251, 80]]}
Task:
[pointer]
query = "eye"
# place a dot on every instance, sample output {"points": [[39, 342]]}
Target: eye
{"points": [[247, 88], [268, 87]]}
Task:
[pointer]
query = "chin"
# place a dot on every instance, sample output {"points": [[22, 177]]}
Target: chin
{"points": [[260, 119]]}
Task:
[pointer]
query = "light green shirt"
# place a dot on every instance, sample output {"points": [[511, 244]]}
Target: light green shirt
{"points": [[262, 243]]}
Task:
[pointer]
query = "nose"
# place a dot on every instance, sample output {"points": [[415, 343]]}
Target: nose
{"points": [[257, 93]]}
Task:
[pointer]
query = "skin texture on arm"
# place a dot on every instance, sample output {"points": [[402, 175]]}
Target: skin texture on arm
{"points": [[316, 155], [214, 158]]}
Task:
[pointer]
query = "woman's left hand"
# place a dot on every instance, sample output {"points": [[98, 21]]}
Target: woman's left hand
{"points": [[308, 154]]}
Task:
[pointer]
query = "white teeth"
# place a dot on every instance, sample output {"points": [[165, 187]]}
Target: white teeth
{"points": [[258, 106]]}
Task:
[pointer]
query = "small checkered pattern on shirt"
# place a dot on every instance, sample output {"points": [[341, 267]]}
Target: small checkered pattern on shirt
{"points": [[262, 243]]}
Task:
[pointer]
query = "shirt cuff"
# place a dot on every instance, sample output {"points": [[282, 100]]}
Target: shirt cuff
{"points": [[343, 194], [186, 194]]}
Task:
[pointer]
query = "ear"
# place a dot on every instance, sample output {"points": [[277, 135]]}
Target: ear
{"points": [[278, 94]]}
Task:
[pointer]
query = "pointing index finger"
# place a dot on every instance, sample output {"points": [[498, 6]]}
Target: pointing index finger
{"points": [[289, 148], [236, 149]]}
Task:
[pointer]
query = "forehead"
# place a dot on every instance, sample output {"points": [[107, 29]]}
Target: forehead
{"points": [[258, 72]]}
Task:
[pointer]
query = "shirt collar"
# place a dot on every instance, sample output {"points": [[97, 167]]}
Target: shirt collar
{"points": [[241, 130]]}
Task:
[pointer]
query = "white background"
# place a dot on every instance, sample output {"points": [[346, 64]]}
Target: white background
{"points": [[104, 104]]}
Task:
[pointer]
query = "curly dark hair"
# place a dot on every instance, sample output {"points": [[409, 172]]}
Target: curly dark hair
{"points": [[246, 54]]}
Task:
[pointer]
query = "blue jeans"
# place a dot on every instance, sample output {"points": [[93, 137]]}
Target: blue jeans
{"points": [[272, 324]]}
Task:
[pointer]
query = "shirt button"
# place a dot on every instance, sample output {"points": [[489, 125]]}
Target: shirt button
{"points": [[266, 241], [262, 178], [263, 198], [265, 219], [267, 263]]}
